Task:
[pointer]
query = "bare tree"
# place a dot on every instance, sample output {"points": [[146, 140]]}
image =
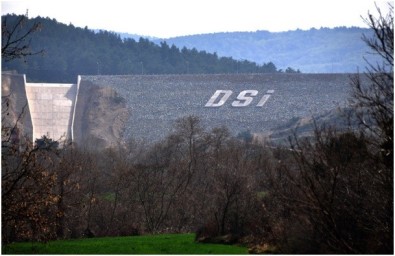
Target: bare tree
{"points": [[383, 41], [335, 194], [374, 99], [167, 174], [338, 188], [16, 37], [28, 198]]}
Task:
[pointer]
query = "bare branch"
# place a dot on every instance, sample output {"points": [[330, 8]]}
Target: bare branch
{"points": [[15, 38]]}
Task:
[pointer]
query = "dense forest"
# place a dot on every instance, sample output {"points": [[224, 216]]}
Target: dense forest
{"points": [[69, 51]]}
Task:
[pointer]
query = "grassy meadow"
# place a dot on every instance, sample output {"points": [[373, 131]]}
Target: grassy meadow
{"points": [[149, 244]]}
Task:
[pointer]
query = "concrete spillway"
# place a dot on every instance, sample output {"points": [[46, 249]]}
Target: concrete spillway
{"points": [[83, 113], [51, 109], [48, 108]]}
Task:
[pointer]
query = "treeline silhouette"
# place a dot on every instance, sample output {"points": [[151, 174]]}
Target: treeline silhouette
{"points": [[70, 51]]}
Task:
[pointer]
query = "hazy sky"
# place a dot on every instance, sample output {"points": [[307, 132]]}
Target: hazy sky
{"points": [[169, 18]]}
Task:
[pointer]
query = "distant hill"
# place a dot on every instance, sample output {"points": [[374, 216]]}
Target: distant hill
{"points": [[136, 37], [338, 50]]}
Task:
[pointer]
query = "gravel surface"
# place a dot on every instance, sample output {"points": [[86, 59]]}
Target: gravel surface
{"points": [[156, 101]]}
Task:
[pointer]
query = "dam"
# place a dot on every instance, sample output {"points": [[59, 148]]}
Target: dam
{"points": [[46, 109], [62, 112], [107, 110], [52, 108]]}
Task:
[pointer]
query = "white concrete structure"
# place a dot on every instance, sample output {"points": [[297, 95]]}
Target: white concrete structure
{"points": [[52, 107], [86, 115]]}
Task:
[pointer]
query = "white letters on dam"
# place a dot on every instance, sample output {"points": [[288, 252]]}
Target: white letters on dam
{"points": [[107, 110]]}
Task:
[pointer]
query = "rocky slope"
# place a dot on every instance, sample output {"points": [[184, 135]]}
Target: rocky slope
{"points": [[100, 116]]}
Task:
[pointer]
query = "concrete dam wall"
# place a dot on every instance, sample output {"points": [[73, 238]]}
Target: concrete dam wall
{"points": [[52, 109], [62, 112], [15, 108]]}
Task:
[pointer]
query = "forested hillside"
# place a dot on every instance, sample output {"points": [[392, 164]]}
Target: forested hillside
{"points": [[70, 51], [324, 50]]}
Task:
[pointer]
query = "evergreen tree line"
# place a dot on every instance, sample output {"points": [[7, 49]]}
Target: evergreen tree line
{"points": [[69, 51]]}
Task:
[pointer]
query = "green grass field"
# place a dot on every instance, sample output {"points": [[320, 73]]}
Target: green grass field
{"points": [[149, 244]]}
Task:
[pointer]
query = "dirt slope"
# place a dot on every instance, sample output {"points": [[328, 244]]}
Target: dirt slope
{"points": [[100, 116]]}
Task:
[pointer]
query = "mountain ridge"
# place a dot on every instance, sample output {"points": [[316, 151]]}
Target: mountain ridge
{"points": [[323, 50]]}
